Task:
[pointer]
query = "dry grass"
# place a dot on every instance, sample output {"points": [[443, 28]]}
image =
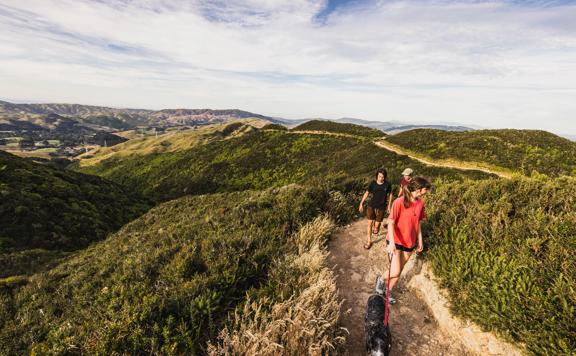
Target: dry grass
{"points": [[171, 141], [305, 322]]}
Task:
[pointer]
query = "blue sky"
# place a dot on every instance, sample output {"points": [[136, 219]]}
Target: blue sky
{"points": [[501, 63]]}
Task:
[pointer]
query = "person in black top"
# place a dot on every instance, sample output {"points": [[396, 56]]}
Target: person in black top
{"points": [[379, 204]]}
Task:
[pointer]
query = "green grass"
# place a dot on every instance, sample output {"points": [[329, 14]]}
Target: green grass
{"points": [[522, 151], [164, 283], [506, 250], [48, 208], [259, 160]]}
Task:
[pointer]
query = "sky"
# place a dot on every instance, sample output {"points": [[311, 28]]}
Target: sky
{"points": [[493, 64]]}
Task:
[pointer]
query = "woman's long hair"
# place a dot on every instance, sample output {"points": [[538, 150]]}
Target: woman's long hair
{"points": [[414, 184]]}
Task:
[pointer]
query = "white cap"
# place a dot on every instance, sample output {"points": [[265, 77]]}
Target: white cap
{"points": [[407, 172]]}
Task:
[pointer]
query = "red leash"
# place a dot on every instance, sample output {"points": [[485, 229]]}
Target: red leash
{"points": [[388, 290]]}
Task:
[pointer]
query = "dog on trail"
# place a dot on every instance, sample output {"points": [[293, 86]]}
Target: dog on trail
{"points": [[378, 335]]}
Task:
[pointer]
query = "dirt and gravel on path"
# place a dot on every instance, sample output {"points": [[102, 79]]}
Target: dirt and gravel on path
{"points": [[414, 329]]}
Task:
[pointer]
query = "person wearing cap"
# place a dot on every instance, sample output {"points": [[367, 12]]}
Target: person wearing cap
{"points": [[406, 178]]}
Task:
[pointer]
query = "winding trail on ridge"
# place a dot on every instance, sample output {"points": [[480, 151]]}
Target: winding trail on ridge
{"points": [[414, 329], [440, 163]]}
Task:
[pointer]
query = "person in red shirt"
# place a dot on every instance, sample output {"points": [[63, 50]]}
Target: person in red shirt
{"points": [[406, 178], [404, 226]]}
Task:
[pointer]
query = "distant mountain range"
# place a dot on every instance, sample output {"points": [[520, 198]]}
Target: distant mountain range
{"points": [[122, 119], [113, 119]]}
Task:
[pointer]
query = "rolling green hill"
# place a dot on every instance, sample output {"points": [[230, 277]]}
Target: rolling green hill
{"points": [[48, 208], [337, 127], [259, 160], [164, 283], [227, 260], [506, 250], [172, 141], [522, 151]]}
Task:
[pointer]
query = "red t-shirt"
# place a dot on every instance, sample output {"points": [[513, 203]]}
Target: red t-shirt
{"points": [[403, 182], [406, 221]]}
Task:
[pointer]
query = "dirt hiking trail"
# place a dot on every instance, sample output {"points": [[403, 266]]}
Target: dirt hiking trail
{"points": [[441, 163], [414, 329]]}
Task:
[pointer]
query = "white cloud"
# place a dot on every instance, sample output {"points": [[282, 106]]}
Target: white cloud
{"points": [[489, 63]]}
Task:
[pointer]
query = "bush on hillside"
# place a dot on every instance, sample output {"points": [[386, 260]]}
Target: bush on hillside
{"points": [[49, 208], [337, 127], [506, 250], [274, 127]]}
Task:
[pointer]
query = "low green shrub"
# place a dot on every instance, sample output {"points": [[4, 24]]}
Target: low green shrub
{"points": [[165, 282], [49, 208], [506, 250]]}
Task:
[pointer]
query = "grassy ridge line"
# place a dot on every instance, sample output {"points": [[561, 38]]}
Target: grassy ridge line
{"points": [[506, 251], [300, 315], [263, 159], [522, 151], [448, 163], [318, 132], [337, 127], [171, 141]]}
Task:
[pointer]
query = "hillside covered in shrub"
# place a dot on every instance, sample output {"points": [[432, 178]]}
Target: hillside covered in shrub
{"points": [[521, 151], [506, 250], [165, 282], [338, 127], [260, 160], [171, 141], [49, 208]]}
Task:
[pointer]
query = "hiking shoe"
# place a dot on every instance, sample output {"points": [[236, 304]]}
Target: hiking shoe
{"points": [[391, 299]]}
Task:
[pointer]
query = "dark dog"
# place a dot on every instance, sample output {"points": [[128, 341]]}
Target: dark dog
{"points": [[378, 336]]}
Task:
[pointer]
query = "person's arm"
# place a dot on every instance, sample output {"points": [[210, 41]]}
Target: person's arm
{"points": [[391, 221], [420, 240], [364, 197], [391, 246], [389, 201]]}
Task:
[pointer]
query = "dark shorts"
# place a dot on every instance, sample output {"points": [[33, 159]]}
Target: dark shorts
{"points": [[375, 214], [402, 248]]}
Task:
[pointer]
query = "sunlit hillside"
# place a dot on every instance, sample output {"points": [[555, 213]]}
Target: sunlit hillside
{"points": [[521, 151], [258, 160], [171, 141]]}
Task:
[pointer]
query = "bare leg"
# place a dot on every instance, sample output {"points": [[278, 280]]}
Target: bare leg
{"points": [[396, 269], [369, 231], [377, 226]]}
